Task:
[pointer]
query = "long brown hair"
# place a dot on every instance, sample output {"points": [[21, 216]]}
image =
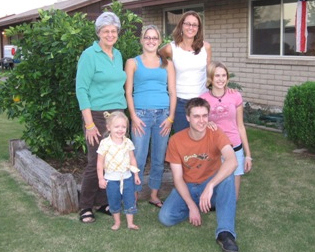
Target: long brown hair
{"points": [[177, 33], [153, 27]]}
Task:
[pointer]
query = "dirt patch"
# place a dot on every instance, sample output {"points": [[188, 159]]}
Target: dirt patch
{"points": [[75, 166]]}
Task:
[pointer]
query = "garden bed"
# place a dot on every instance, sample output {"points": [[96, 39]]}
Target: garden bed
{"points": [[263, 117], [60, 189]]}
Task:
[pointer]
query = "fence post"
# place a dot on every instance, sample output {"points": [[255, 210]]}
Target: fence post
{"points": [[15, 145]]}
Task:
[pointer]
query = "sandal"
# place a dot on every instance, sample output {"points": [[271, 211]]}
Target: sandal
{"points": [[87, 214], [158, 203], [104, 209]]}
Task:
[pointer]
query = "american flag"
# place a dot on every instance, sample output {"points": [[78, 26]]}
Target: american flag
{"points": [[301, 26]]}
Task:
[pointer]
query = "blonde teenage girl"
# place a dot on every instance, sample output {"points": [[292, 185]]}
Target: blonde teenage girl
{"points": [[226, 111]]}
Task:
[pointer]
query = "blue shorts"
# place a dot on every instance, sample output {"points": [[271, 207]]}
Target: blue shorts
{"points": [[241, 162], [115, 199]]}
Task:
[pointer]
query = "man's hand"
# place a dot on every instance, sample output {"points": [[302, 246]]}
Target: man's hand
{"points": [[194, 215], [205, 199]]}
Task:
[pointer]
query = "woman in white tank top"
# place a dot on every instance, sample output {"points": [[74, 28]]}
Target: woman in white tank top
{"points": [[190, 55]]}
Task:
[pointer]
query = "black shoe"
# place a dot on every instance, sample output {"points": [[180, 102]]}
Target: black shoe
{"points": [[227, 242], [104, 209]]}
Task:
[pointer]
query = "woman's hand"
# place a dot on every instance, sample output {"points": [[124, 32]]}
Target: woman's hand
{"points": [[102, 183], [137, 126], [166, 126], [212, 126], [248, 164], [92, 135]]}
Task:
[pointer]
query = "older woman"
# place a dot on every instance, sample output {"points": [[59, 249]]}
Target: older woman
{"points": [[99, 88], [190, 55]]}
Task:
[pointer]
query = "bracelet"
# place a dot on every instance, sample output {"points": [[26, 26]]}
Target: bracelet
{"points": [[170, 120], [90, 126], [249, 158]]}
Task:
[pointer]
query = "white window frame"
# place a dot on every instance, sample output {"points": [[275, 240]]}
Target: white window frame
{"points": [[260, 56], [183, 7]]}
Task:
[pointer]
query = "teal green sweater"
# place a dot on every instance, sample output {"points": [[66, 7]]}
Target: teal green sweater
{"points": [[100, 80]]}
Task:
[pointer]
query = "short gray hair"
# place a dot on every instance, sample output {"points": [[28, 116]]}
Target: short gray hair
{"points": [[107, 18]]}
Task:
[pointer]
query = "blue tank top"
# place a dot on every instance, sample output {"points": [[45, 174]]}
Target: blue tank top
{"points": [[150, 87]]}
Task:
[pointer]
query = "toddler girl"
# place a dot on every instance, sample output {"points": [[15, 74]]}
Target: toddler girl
{"points": [[115, 162]]}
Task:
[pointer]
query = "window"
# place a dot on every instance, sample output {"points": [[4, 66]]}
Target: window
{"points": [[172, 16], [273, 28]]}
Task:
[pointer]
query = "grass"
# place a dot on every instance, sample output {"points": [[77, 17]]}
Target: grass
{"points": [[9, 130], [275, 211]]}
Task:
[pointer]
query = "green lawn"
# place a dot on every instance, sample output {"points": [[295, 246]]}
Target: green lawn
{"points": [[275, 211], [8, 130]]}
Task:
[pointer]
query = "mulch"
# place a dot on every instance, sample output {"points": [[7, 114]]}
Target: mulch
{"points": [[75, 166]]}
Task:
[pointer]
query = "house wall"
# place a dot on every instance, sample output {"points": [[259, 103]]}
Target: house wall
{"points": [[265, 81]]}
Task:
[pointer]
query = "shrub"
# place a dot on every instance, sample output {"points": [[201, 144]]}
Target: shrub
{"points": [[128, 43], [299, 116], [41, 89], [234, 85]]}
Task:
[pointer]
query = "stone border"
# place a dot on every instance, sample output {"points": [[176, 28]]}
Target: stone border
{"points": [[262, 127]]}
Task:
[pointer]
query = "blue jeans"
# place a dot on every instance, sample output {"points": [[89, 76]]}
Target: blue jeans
{"points": [[152, 119], [175, 210], [180, 121], [115, 198]]}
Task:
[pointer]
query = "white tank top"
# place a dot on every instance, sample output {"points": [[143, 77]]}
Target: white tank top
{"points": [[191, 75]]}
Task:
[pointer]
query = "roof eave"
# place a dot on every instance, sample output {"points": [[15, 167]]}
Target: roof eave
{"points": [[17, 19], [146, 3]]}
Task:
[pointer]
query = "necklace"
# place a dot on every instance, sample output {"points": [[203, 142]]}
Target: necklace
{"points": [[218, 97], [187, 48]]}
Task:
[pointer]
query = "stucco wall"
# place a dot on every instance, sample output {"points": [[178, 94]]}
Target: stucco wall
{"points": [[265, 81]]}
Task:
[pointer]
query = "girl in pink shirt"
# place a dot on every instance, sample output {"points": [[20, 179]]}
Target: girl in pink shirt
{"points": [[226, 110]]}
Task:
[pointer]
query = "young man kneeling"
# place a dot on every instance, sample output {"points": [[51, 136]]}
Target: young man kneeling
{"points": [[202, 181]]}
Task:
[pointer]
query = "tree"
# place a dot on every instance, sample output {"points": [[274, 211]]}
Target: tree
{"points": [[41, 89], [128, 42]]}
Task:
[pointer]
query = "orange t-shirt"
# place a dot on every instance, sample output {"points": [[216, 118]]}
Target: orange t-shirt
{"points": [[200, 159]]}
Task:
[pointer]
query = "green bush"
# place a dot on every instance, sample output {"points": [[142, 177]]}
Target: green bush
{"points": [[299, 116], [234, 85], [41, 89], [128, 43]]}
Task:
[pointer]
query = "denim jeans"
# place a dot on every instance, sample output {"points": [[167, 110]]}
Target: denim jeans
{"points": [[175, 210], [152, 119], [115, 198], [180, 121]]}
